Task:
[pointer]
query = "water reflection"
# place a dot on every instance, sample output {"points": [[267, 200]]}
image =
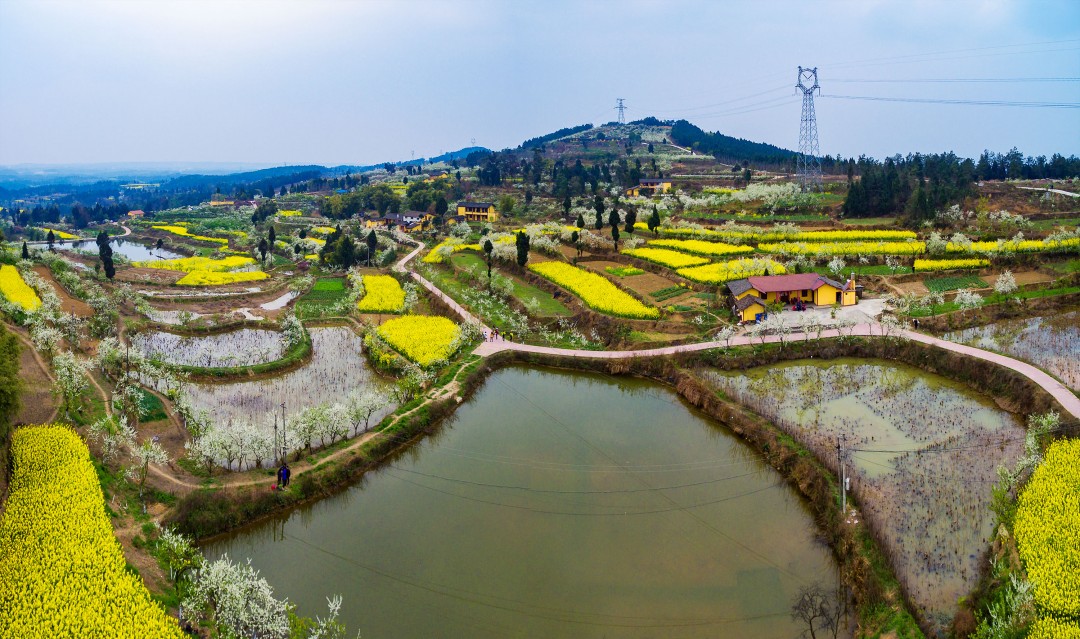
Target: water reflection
{"points": [[555, 504]]}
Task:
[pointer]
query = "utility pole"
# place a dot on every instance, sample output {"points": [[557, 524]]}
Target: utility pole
{"points": [[621, 108], [840, 473], [808, 170], [284, 445]]}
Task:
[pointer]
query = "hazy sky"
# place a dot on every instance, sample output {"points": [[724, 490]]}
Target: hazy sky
{"points": [[339, 81]]}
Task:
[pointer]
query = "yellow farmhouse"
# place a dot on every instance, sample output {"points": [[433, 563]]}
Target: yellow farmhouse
{"points": [[649, 186], [478, 211], [812, 288]]}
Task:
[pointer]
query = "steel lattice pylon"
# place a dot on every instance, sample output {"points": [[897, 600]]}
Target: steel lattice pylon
{"points": [[808, 170]]}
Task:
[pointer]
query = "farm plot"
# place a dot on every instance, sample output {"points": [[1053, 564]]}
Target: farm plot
{"points": [[943, 284], [700, 247], [62, 567], [323, 298], [337, 368], [382, 294], [948, 265], [1052, 343], [244, 347], [721, 272], [15, 290], [424, 339], [595, 290], [1048, 531], [664, 257], [923, 451]]}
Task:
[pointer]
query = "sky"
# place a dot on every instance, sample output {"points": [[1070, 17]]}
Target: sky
{"points": [[330, 82]]}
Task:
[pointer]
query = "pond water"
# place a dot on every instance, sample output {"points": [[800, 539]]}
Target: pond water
{"points": [[243, 347], [1051, 343], [554, 504], [136, 252], [922, 452]]}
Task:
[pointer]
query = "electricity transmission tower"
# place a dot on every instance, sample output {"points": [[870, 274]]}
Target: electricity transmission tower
{"points": [[808, 171], [620, 107]]}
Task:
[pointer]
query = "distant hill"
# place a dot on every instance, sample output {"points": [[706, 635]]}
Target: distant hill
{"points": [[449, 156], [304, 172], [725, 147]]}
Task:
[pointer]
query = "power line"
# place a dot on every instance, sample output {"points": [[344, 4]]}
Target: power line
{"points": [[952, 80], [930, 56], [1005, 103], [622, 513], [579, 492]]}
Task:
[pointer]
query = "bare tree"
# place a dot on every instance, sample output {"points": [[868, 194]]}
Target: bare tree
{"points": [[821, 609]]}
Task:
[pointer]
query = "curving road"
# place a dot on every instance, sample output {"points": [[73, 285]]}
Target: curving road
{"points": [[1068, 400]]}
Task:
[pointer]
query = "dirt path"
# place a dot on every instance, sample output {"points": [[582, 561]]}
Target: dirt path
{"points": [[45, 370]]}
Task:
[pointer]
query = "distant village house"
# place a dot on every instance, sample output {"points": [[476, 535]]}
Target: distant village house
{"points": [[650, 186], [478, 211]]}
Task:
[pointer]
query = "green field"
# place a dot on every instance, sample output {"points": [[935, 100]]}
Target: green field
{"points": [[861, 269], [326, 292], [943, 284], [549, 306]]}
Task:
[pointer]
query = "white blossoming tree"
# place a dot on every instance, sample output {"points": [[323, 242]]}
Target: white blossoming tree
{"points": [[146, 453], [967, 299], [1005, 284], [71, 378]]}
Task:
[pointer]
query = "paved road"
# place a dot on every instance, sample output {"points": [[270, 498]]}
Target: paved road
{"points": [[1058, 191], [434, 290], [1068, 400]]}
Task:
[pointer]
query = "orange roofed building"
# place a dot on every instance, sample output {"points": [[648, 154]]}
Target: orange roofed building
{"points": [[807, 287]]}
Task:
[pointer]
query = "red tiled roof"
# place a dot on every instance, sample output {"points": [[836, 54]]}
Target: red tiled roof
{"points": [[785, 283]]}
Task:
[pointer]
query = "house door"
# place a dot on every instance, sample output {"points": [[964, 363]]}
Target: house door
{"points": [[839, 297]]}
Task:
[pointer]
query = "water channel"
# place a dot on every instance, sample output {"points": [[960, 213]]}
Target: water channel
{"points": [[554, 504]]}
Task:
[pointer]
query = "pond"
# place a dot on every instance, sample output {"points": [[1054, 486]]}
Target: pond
{"points": [[1051, 343], [243, 347], [922, 452], [130, 249], [554, 504], [136, 252]]}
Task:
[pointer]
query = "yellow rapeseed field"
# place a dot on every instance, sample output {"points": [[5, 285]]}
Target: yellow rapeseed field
{"points": [[735, 269], [176, 229], [843, 248], [189, 264], [701, 247], [1023, 246], [664, 257], [62, 570], [213, 278], [425, 339], [63, 235], [382, 294], [947, 265], [1053, 628], [775, 236], [595, 290], [15, 289], [1048, 529]]}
